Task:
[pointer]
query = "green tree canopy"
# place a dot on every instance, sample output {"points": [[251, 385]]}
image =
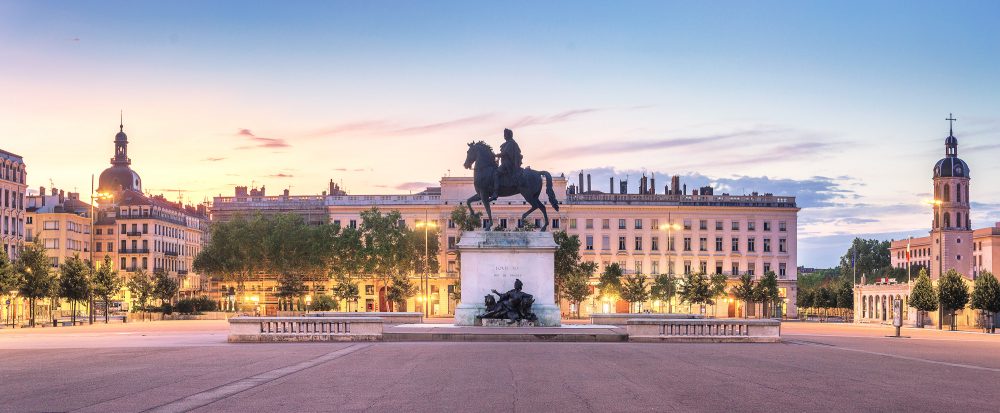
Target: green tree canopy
{"points": [[74, 281], [35, 278], [952, 291], [106, 283], [986, 293], [610, 282], [165, 287], [845, 295], [9, 280], [141, 285], [634, 289], [923, 297], [873, 259], [696, 289], [567, 257], [400, 290], [663, 288], [767, 290], [576, 289]]}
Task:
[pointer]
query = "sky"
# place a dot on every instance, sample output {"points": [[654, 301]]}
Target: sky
{"points": [[841, 104]]}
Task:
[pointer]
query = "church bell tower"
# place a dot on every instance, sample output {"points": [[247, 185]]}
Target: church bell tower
{"points": [[951, 233]]}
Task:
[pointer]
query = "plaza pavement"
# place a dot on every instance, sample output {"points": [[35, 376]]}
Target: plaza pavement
{"points": [[187, 365]]}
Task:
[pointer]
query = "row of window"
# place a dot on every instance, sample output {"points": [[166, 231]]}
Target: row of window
{"points": [[639, 223], [654, 244], [703, 268], [12, 199], [12, 225], [159, 264]]}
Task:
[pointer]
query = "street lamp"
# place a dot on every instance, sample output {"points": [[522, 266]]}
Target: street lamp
{"points": [[425, 277], [669, 227]]}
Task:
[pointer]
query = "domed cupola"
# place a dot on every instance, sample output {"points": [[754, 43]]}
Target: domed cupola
{"points": [[120, 176], [951, 166]]}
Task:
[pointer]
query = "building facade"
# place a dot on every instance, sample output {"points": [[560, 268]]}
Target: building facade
{"points": [[644, 232], [13, 176], [951, 244], [61, 223]]}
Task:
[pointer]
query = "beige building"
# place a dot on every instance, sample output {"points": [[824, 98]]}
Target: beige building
{"points": [[61, 222], [12, 218], [644, 232]]}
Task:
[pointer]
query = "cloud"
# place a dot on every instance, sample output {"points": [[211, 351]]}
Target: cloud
{"points": [[825, 251], [627, 146], [413, 186], [440, 126], [281, 175], [547, 119], [261, 142], [213, 159], [351, 170]]}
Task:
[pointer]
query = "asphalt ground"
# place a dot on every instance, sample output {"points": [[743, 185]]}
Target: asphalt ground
{"points": [[188, 366]]}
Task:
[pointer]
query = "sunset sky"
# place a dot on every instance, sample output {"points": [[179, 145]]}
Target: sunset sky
{"points": [[841, 104]]}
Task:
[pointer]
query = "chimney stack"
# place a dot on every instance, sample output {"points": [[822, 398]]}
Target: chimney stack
{"points": [[652, 184], [675, 185], [579, 182], [624, 186], [685, 189], [612, 189], [588, 183]]}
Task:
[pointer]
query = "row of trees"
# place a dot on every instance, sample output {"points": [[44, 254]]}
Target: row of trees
{"points": [[952, 294], [837, 296], [284, 246], [32, 277]]}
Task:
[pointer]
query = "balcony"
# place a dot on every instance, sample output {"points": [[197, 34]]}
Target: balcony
{"points": [[134, 251], [134, 234], [182, 272], [170, 253]]}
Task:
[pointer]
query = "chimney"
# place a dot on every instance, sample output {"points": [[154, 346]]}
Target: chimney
{"points": [[642, 185], [579, 182], [666, 189], [624, 186], [675, 185], [652, 184], [612, 189], [41, 191], [74, 195], [685, 189], [588, 183], [62, 196], [54, 191], [286, 192]]}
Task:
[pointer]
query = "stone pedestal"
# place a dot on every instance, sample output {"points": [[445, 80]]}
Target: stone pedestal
{"points": [[493, 260]]}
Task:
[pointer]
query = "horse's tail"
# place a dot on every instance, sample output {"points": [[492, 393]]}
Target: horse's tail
{"points": [[549, 191]]}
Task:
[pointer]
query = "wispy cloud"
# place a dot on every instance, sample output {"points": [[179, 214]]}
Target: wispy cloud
{"points": [[259, 141], [281, 175], [547, 119], [439, 126], [351, 169], [628, 146], [413, 186], [213, 159]]}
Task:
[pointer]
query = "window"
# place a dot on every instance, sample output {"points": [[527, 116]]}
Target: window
{"points": [[638, 224], [590, 223], [654, 267], [782, 227], [124, 229], [538, 222], [782, 245], [670, 244], [621, 243], [99, 231], [718, 225], [638, 267], [767, 225], [369, 289], [781, 270], [605, 242], [687, 224], [767, 267], [735, 242], [50, 225], [703, 267], [736, 269], [98, 249], [751, 244], [503, 223], [451, 224], [451, 242], [145, 228], [52, 243], [572, 223], [750, 270], [638, 243], [751, 226], [401, 223], [703, 225], [718, 268], [654, 223], [590, 243], [767, 245], [353, 223], [122, 267], [687, 243], [555, 223], [452, 267], [718, 244], [605, 224], [654, 243], [687, 267], [703, 244], [736, 225], [145, 263], [111, 247], [621, 223]]}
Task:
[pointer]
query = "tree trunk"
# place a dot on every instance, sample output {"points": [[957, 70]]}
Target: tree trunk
{"points": [[106, 316], [31, 311], [74, 313]]}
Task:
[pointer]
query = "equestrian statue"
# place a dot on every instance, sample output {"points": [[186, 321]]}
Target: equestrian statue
{"points": [[493, 181]]}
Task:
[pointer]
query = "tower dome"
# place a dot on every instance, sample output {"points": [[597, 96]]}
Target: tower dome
{"points": [[951, 166], [119, 176]]}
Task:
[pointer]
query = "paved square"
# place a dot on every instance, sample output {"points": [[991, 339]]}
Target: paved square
{"points": [[180, 366]]}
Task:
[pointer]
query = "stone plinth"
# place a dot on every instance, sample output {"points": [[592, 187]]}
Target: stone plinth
{"points": [[493, 260], [496, 322]]}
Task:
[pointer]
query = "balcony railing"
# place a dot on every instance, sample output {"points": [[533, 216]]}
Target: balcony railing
{"points": [[134, 251], [133, 233], [171, 253]]}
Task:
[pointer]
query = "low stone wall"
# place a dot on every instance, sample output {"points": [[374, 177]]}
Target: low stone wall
{"points": [[621, 319], [275, 329], [389, 318], [715, 331]]}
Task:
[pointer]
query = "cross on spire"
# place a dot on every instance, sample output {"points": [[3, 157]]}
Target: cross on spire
{"points": [[951, 121]]}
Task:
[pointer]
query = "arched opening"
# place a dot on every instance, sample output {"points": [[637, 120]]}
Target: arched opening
{"points": [[937, 220], [958, 220], [947, 220], [958, 193], [947, 193]]}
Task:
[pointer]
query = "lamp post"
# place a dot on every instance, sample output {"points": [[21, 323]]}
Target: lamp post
{"points": [[669, 227], [425, 277], [940, 256]]}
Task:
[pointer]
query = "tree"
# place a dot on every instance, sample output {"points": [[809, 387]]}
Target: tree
{"points": [[346, 290], [744, 291], [804, 299], [610, 282], [74, 281], [324, 302], [35, 278], [824, 299], [717, 286], [873, 258], [567, 258], [9, 279], [386, 250], [106, 284], [236, 250], [576, 289], [291, 288], [952, 293], [767, 292], [986, 296], [923, 297], [663, 289], [400, 290], [634, 291], [845, 296], [141, 286], [164, 288], [696, 289]]}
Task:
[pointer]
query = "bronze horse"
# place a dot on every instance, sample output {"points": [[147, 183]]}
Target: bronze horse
{"points": [[526, 182]]}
